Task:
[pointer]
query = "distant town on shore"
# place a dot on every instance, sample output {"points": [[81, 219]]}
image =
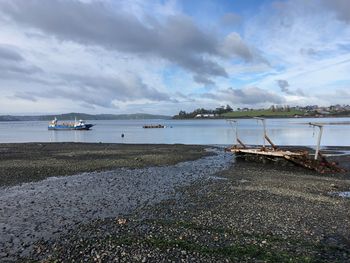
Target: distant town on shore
{"points": [[275, 111]]}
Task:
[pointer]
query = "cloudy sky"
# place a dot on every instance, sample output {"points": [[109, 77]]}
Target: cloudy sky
{"points": [[129, 56]]}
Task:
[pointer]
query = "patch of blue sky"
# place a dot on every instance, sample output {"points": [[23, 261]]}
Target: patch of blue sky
{"points": [[344, 47], [243, 80], [202, 89], [324, 54], [221, 7], [168, 74], [176, 79], [279, 68], [209, 12], [275, 60], [341, 83]]}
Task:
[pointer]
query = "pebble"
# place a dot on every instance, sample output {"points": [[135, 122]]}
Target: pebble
{"points": [[54, 205]]}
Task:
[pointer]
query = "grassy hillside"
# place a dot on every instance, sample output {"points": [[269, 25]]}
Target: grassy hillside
{"points": [[261, 113], [72, 116]]}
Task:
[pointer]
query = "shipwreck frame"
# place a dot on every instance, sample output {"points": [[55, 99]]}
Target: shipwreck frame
{"points": [[302, 158]]}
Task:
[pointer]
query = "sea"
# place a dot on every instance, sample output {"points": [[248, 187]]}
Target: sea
{"points": [[292, 131]]}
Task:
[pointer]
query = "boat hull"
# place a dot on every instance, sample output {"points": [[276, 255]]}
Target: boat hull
{"points": [[76, 128]]}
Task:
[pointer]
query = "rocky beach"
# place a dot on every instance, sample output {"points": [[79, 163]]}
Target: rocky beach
{"points": [[70, 202]]}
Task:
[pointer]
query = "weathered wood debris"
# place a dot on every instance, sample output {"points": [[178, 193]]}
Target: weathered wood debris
{"points": [[298, 157], [153, 126]]}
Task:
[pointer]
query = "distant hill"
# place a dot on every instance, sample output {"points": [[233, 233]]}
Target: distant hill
{"points": [[84, 116]]}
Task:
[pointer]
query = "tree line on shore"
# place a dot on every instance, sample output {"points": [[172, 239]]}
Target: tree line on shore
{"points": [[203, 112]]}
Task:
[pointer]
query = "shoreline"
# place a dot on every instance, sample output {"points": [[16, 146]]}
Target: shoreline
{"points": [[265, 117], [170, 201], [30, 162], [202, 118]]}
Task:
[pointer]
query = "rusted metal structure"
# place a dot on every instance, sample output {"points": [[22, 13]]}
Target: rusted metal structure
{"points": [[299, 157]]}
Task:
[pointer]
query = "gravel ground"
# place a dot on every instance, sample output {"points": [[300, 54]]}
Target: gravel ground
{"points": [[213, 209], [47, 209], [248, 213], [28, 162]]}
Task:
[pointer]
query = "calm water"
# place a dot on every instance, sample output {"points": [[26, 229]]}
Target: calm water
{"points": [[281, 131]]}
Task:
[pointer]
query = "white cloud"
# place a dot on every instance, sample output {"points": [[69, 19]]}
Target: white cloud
{"points": [[303, 41], [163, 57], [246, 96], [234, 45]]}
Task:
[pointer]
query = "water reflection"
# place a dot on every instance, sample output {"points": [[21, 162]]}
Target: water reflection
{"points": [[67, 136], [53, 136]]}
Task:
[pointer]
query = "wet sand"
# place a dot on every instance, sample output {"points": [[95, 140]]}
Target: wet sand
{"points": [[212, 209]]}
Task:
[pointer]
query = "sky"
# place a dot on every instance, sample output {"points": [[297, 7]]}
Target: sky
{"points": [[163, 56]]}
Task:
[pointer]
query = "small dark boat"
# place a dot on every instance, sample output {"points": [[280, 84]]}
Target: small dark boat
{"points": [[154, 126]]}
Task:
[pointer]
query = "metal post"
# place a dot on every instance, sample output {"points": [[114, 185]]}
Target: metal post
{"points": [[320, 126], [318, 141], [238, 141], [264, 126], [236, 131]]}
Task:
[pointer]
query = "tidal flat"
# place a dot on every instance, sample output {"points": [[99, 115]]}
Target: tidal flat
{"points": [[166, 203], [28, 162]]}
